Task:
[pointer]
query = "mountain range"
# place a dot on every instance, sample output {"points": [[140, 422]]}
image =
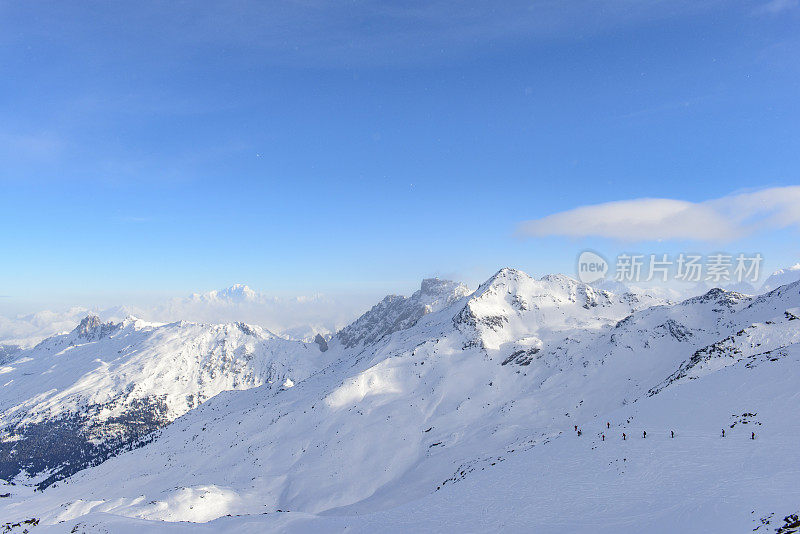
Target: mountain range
{"points": [[525, 405], [299, 317]]}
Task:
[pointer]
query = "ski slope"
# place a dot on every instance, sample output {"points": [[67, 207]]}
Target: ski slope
{"points": [[696, 482]]}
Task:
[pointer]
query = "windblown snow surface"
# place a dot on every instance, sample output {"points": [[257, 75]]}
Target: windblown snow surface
{"points": [[462, 418]]}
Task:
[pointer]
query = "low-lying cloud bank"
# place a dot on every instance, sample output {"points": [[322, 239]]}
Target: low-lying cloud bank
{"points": [[299, 317]]}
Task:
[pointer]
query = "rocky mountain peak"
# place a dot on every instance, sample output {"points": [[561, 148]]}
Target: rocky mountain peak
{"points": [[397, 312], [92, 328]]}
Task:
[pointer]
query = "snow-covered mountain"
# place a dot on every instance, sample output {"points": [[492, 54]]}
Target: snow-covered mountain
{"points": [[456, 410], [782, 277], [25, 331], [109, 386], [77, 398], [512, 307], [236, 294]]}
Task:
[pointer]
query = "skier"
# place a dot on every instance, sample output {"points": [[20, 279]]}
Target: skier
{"points": [[672, 433], [608, 425], [602, 437], [576, 428], [723, 432], [623, 436], [579, 432], [644, 434], [752, 435]]}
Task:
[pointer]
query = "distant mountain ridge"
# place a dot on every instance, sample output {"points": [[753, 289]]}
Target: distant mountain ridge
{"points": [[235, 294], [298, 317]]}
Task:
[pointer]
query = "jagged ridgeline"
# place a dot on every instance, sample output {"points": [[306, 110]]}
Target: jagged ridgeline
{"points": [[396, 312]]}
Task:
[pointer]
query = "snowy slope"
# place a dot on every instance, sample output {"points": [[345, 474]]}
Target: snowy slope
{"points": [[78, 398], [694, 482], [465, 417], [75, 398]]}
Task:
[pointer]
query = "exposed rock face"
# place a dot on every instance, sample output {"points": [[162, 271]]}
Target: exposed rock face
{"points": [[8, 353], [396, 312], [92, 329], [323, 345]]}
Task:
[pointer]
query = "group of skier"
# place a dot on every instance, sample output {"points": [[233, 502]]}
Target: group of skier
{"points": [[579, 432], [752, 434]]}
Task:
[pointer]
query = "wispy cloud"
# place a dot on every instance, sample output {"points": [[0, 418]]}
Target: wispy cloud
{"points": [[776, 6], [422, 32], [321, 32], [132, 219], [657, 219], [33, 145]]}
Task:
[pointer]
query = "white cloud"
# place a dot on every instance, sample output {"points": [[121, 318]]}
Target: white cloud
{"points": [[298, 316], [655, 219]]}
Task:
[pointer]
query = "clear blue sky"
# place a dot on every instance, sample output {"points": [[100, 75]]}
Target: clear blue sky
{"points": [[167, 147]]}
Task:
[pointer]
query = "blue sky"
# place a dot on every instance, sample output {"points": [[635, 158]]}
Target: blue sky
{"points": [[151, 149]]}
